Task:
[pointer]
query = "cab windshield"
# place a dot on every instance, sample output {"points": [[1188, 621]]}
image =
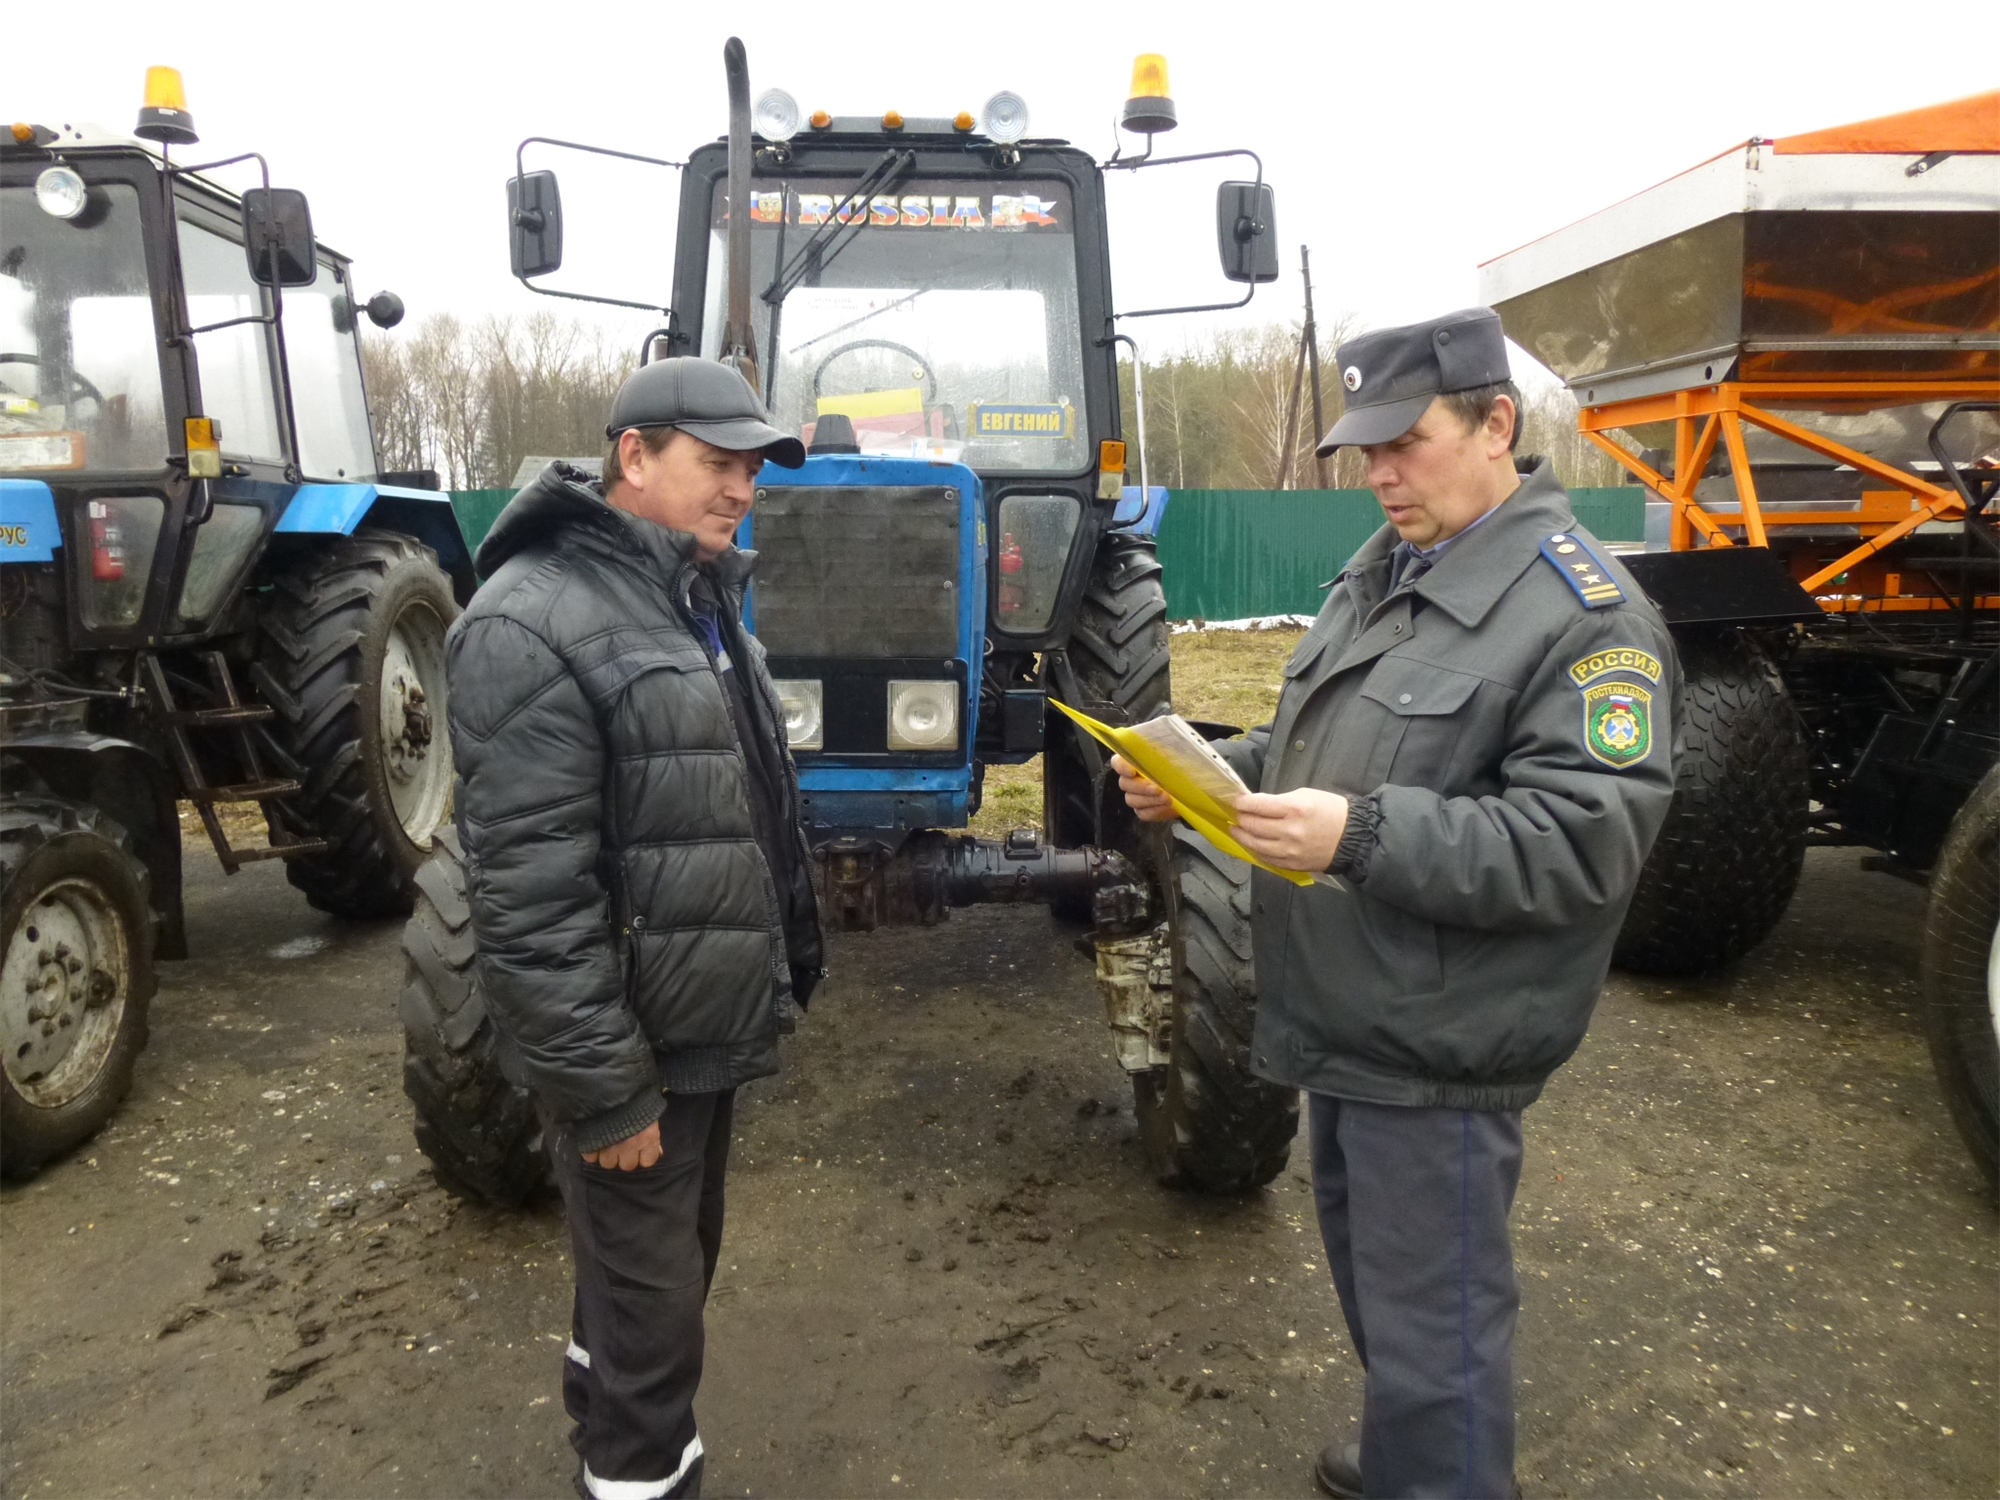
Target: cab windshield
{"points": [[79, 355], [939, 318]]}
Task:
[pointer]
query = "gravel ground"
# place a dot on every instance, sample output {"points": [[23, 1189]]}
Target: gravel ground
{"points": [[1756, 1259]]}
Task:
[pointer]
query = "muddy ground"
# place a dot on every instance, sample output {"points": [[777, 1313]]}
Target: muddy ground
{"points": [[1756, 1259]]}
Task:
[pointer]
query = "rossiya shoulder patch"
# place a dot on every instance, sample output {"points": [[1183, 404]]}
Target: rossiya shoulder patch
{"points": [[1583, 570], [1617, 685]]}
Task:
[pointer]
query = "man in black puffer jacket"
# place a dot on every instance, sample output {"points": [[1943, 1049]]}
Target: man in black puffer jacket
{"points": [[639, 880]]}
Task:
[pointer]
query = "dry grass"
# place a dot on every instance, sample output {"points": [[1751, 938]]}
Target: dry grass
{"points": [[242, 824], [1226, 675]]}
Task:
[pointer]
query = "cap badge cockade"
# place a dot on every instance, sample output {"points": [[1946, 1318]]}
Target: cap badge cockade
{"points": [[1351, 377]]}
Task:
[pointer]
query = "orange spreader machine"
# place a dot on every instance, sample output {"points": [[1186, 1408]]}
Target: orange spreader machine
{"points": [[1795, 347]]}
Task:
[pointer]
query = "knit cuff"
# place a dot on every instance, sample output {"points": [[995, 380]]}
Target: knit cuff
{"points": [[595, 1132], [1358, 841]]}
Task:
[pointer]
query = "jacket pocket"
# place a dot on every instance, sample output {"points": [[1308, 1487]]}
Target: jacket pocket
{"points": [[1422, 723], [1304, 654]]}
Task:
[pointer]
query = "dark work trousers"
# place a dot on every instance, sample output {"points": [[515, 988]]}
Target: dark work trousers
{"points": [[645, 1244], [1413, 1207]]}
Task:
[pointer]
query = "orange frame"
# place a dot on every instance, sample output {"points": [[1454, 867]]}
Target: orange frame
{"points": [[1710, 414]]}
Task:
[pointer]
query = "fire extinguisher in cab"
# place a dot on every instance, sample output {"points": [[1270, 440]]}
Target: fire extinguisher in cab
{"points": [[1013, 587], [107, 545]]}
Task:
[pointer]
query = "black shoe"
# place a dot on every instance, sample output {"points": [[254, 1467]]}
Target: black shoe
{"points": [[1338, 1470]]}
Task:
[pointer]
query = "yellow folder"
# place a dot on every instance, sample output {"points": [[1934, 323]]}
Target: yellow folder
{"points": [[1183, 771]]}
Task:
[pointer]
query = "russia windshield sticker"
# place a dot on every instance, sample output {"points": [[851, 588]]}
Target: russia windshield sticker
{"points": [[926, 210], [1617, 703]]}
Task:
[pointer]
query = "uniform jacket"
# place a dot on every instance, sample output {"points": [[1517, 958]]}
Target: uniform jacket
{"points": [[1510, 753], [630, 932]]}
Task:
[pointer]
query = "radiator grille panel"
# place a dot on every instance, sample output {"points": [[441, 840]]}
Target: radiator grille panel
{"points": [[857, 571]]}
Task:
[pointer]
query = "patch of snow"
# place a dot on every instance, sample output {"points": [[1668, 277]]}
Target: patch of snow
{"points": [[1254, 622]]}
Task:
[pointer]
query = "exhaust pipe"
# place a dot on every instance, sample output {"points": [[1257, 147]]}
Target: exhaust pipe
{"points": [[739, 340]]}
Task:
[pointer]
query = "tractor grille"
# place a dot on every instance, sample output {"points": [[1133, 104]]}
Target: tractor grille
{"points": [[857, 571]]}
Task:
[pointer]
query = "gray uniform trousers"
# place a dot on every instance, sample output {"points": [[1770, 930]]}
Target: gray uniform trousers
{"points": [[645, 1244], [1413, 1207]]}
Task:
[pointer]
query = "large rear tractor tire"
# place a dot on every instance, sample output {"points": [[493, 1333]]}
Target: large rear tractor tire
{"points": [[354, 665], [479, 1130], [1728, 858], [76, 977], [1207, 1121], [1961, 973], [1119, 653]]}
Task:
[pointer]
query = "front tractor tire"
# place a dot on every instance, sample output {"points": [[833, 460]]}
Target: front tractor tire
{"points": [[1961, 974], [354, 666], [1728, 858], [479, 1130], [1207, 1121], [1119, 653], [77, 937]]}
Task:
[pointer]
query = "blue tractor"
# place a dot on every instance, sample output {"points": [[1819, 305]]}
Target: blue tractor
{"points": [[209, 593], [928, 303]]}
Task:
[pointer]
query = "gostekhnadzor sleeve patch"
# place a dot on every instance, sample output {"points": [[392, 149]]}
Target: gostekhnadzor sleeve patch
{"points": [[1617, 685]]}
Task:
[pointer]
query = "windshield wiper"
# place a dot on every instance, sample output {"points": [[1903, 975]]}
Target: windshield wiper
{"points": [[825, 244]]}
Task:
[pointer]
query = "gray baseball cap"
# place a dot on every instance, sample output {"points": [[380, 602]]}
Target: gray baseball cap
{"points": [[1392, 376], [706, 400]]}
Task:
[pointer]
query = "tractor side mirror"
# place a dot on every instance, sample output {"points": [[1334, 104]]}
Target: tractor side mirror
{"points": [[278, 237], [534, 224], [385, 310], [1246, 231]]}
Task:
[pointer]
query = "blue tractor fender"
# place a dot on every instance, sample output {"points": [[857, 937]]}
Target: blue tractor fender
{"points": [[342, 509], [1140, 512]]}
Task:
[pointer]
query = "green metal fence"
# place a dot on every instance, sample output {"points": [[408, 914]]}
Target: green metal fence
{"points": [[477, 510], [1234, 554]]}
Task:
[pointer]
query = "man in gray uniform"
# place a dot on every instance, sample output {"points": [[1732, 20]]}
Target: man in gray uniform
{"points": [[1474, 738]]}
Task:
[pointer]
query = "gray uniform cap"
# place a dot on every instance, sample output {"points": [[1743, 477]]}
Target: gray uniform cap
{"points": [[706, 400], [1392, 376]]}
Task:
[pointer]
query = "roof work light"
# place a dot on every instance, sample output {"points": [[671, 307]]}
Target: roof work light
{"points": [[1149, 110], [60, 193], [1005, 117], [164, 116], [776, 117]]}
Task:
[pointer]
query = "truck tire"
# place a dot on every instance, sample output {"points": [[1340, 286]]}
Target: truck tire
{"points": [[76, 977], [479, 1130], [354, 666], [1119, 653], [1207, 1121], [1728, 857], [1961, 973]]}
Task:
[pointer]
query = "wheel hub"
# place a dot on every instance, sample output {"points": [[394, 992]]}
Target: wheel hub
{"points": [[62, 988], [416, 760]]}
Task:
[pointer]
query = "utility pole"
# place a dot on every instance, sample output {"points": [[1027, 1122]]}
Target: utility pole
{"points": [[1289, 451], [1312, 355]]}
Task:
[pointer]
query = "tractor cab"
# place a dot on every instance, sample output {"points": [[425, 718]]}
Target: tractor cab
{"points": [[154, 327]]}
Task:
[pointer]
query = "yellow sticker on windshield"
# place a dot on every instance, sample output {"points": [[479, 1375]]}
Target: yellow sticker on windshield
{"points": [[1021, 421]]}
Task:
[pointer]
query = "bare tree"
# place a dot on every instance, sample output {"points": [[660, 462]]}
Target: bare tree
{"points": [[472, 403]]}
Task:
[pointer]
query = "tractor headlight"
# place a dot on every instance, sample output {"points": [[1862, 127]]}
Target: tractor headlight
{"points": [[1005, 117], [803, 701], [61, 193], [923, 715], [776, 117]]}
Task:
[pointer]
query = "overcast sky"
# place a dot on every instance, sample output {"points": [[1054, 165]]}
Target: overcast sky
{"points": [[1406, 143]]}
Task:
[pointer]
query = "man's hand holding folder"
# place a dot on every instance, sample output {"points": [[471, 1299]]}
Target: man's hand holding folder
{"points": [[1293, 834]]}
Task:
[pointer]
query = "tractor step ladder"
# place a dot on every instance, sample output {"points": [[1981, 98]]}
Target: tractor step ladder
{"points": [[233, 715]]}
